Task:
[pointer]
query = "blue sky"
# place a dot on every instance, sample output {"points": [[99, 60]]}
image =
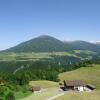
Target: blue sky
{"points": [[21, 20]]}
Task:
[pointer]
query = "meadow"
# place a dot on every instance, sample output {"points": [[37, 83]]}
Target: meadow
{"points": [[49, 89], [86, 74], [11, 56], [89, 74]]}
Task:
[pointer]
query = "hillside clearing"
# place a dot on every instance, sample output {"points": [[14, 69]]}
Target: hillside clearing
{"points": [[49, 89], [44, 84], [45, 94]]}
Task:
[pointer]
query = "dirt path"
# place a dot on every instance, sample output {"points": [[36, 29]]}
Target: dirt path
{"points": [[55, 96]]}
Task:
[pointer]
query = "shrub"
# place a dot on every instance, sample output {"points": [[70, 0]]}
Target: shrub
{"points": [[10, 96]]}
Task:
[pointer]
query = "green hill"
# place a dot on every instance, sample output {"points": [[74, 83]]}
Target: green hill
{"points": [[40, 44], [50, 44], [82, 45]]}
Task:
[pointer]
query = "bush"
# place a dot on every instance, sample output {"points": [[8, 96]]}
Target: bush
{"points": [[10, 96]]}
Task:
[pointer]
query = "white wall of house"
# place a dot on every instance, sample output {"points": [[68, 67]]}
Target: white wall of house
{"points": [[37, 91], [80, 88]]}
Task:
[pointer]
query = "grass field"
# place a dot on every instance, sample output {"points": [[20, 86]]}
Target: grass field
{"points": [[85, 52], [10, 56], [30, 56], [49, 89], [42, 95], [44, 84], [20, 94], [95, 95], [88, 75]]}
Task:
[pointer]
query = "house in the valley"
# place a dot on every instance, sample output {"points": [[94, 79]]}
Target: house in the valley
{"points": [[76, 85], [35, 89]]}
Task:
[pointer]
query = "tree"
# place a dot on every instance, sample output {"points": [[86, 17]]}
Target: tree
{"points": [[10, 96]]}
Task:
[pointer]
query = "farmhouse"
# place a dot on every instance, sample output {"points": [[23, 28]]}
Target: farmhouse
{"points": [[35, 89], [74, 85]]}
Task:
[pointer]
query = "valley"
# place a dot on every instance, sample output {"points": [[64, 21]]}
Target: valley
{"points": [[45, 62], [49, 49]]}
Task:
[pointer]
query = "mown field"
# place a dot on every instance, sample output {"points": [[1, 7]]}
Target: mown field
{"points": [[95, 95], [88, 75], [49, 89], [44, 84], [11, 56], [30, 56]]}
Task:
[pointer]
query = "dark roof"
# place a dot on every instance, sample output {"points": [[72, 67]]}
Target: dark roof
{"points": [[35, 88], [91, 86], [73, 83]]}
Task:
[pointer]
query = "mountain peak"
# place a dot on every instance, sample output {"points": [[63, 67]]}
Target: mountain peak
{"points": [[46, 43], [43, 43], [45, 36]]}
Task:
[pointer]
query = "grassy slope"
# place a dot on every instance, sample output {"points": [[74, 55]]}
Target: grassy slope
{"points": [[50, 90], [44, 95], [44, 84], [12, 56], [88, 75], [16, 56], [95, 95]]}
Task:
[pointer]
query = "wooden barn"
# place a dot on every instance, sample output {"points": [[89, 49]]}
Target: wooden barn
{"points": [[77, 85], [35, 89]]}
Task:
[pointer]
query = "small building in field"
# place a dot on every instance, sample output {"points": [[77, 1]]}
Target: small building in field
{"points": [[2, 83], [90, 86], [35, 89], [76, 85]]}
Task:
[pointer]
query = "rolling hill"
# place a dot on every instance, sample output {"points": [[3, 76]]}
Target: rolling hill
{"points": [[50, 44], [83, 45], [40, 44]]}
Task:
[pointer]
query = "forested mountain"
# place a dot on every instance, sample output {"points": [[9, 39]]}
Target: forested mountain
{"points": [[83, 45], [98, 43], [40, 44], [49, 44]]}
